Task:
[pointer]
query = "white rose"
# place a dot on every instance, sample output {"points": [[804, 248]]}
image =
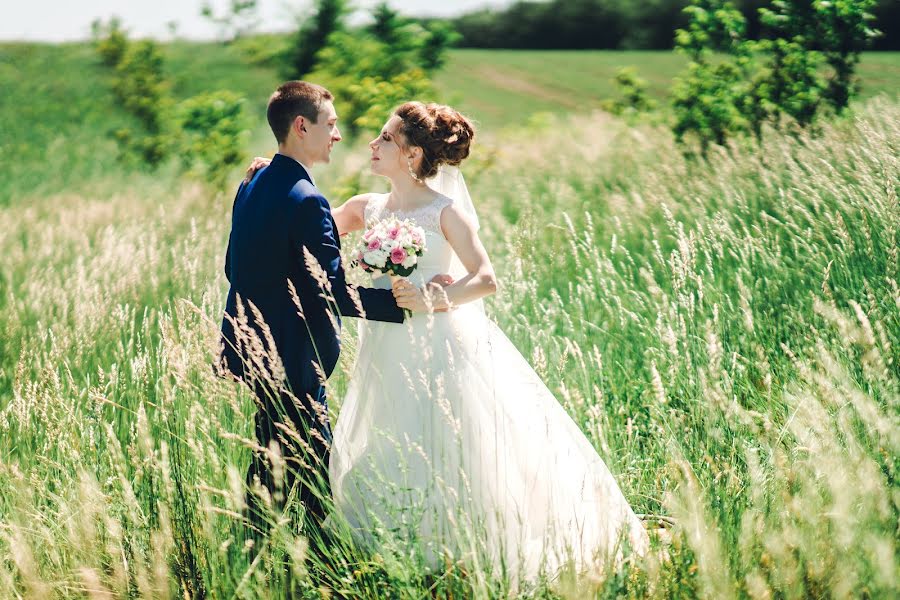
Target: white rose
{"points": [[382, 257], [388, 245], [410, 261], [375, 258]]}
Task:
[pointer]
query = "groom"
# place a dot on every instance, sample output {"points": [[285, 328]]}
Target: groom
{"points": [[284, 240]]}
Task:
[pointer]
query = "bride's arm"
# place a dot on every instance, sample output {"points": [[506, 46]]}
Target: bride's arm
{"points": [[478, 282], [351, 215]]}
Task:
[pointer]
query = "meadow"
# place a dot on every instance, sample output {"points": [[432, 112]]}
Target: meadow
{"points": [[725, 331]]}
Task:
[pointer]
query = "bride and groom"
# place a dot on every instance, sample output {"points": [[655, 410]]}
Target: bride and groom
{"points": [[448, 445]]}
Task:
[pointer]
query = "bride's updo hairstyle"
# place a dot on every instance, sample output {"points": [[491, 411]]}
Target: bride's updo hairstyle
{"points": [[443, 134]]}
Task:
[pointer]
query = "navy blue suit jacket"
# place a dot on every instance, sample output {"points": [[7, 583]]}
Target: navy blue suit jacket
{"points": [[275, 216]]}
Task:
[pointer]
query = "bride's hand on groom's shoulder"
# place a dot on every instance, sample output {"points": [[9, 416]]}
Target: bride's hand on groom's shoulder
{"points": [[255, 165]]}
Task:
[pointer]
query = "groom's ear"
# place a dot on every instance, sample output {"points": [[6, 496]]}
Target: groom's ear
{"points": [[299, 125]]}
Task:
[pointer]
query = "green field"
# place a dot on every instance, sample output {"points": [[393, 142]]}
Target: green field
{"points": [[503, 87], [55, 127], [726, 332]]}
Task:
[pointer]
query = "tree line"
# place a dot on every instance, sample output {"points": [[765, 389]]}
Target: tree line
{"points": [[624, 24]]}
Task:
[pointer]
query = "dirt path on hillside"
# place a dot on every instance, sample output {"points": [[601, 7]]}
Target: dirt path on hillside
{"points": [[507, 79]]}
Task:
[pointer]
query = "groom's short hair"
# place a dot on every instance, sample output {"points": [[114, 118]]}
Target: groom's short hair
{"points": [[291, 100]]}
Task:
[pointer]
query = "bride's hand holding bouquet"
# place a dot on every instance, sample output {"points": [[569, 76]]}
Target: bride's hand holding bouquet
{"points": [[393, 247]]}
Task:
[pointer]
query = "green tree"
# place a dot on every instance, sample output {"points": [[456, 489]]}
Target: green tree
{"points": [[142, 90], [313, 36], [373, 69], [440, 37], [386, 23], [239, 19], [838, 29], [707, 100], [789, 83], [110, 40], [140, 84], [208, 132], [213, 131], [368, 79]]}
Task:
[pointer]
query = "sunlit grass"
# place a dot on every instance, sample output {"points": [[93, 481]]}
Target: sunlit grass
{"points": [[726, 333]]}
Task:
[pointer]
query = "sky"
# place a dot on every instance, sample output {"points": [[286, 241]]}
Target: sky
{"points": [[66, 20]]}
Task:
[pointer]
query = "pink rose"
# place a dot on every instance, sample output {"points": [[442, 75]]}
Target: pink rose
{"points": [[394, 232], [374, 244], [398, 255]]}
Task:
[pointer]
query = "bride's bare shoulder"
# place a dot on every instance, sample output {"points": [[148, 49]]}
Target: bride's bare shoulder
{"points": [[455, 220], [351, 215]]}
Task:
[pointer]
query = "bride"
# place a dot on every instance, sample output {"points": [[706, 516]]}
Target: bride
{"points": [[448, 445]]}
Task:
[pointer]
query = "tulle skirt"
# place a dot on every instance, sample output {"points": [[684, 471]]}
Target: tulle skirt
{"points": [[449, 447]]}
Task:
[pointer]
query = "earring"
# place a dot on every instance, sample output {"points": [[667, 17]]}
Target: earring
{"points": [[412, 172]]}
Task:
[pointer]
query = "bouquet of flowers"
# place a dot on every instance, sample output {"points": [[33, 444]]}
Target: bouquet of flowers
{"points": [[392, 246]]}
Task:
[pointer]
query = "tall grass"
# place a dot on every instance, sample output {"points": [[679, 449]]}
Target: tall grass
{"points": [[727, 333]]}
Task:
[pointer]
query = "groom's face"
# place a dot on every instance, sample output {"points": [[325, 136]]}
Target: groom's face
{"points": [[321, 136]]}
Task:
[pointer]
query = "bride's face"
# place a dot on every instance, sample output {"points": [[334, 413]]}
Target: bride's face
{"points": [[388, 156]]}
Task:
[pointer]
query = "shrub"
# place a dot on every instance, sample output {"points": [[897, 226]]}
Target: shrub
{"points": [[214, 128], [313, 36], [839, 29], [110, 40], [707, 99], [208, 132], [772, 79], [371, 71], [238, 20], [633, 89]]}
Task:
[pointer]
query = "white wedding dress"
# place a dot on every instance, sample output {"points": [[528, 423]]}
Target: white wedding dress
{"points": [[449, 444]]}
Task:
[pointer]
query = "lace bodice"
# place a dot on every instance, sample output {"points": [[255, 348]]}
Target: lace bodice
{"points": [[438, 254], [427, 217]]}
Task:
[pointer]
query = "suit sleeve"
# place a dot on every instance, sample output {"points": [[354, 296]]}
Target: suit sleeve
{"points": [[314, 216], [228, 250]]}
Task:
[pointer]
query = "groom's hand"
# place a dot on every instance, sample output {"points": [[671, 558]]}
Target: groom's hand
{"points": [[408, 296], [258, 163]]}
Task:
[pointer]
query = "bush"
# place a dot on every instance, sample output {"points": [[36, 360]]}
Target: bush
{"points": [[238, 20], [110, 40], [208, 132], [770, 80], [839, 29], [371, 71], [141, 88], [214, 128], [313, 37], [634, 97], [707, 100], [140, 84]]}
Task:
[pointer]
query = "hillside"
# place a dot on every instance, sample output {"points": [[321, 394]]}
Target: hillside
{"points": [[56, 111], [503, 86]]}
